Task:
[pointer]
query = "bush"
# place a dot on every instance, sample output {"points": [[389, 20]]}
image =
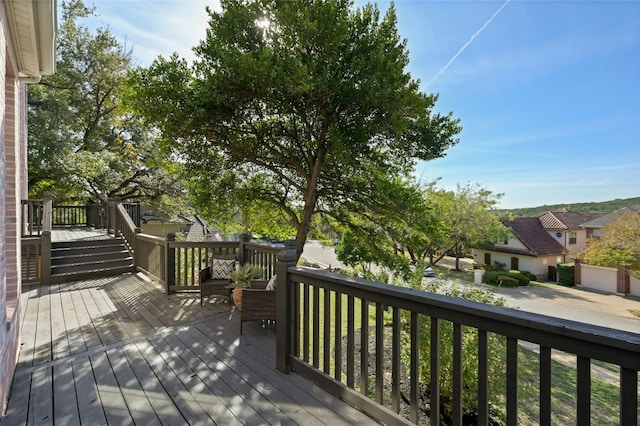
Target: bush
{"points": [[565, 274], [531, 276], [491, 277], [497, 348]]}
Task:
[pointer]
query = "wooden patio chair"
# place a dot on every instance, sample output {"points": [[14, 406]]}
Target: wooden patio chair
{"points": [[258, 303], [214, 280]]}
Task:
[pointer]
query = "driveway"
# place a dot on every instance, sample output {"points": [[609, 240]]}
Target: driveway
{"points": [[573, 303]]}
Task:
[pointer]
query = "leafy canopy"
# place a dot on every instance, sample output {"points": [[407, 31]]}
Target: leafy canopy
{"points": [[82, 142], [305, 105], [619, 243]]}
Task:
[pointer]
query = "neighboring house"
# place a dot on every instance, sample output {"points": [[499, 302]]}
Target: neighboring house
{"points": [[27, 52], [191, 227], [537, 244], [197, 229], [594, 227]]}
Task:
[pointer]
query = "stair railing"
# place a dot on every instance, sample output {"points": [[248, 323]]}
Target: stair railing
{"points": [[123, 226]]}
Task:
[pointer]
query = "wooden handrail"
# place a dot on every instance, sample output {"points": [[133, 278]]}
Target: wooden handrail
{"points": [[315, 351]]}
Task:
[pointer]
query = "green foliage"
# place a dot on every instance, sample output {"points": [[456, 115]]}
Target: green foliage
{"points": [[498, 266], [566, 274], [82, 142], [243, 274], [531, 276], [619, 244], [352, 252], [493, 278], [496, 344], [314, 113]]}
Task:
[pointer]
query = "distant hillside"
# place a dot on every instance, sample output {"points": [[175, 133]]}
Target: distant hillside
{"points": [[602, 207]]}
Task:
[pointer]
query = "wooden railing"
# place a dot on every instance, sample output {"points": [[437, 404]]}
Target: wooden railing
{"points": [[318, 339], [320, 320], [180, 261], [32, 216], [36, 240]]}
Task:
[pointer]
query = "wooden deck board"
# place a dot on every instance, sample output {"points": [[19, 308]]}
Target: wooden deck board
{"points": [[65, 407], [90, 405], [120, 351], [132, 392]]}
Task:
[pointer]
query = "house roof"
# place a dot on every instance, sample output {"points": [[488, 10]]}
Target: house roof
{"points": [[565, 220], [601, 221], [530, 231], [33, 24]]}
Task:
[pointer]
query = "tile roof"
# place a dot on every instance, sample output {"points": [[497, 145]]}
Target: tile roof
{"points": [[530, 232], [601, 221], [564, 219]]}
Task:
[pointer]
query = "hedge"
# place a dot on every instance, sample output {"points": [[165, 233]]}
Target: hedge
{"points": [[491, 277], [565, 274]]}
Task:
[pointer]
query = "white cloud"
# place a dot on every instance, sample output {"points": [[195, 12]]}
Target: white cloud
{"points": [[155, 28]]}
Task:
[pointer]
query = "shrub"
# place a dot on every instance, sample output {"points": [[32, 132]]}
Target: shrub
{"points": [[491, 277], [565, 274], [531, 276], [497, 348], [499, 266]]}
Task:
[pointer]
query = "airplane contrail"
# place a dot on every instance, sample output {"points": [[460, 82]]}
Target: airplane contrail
{"points": [[467, 43]]}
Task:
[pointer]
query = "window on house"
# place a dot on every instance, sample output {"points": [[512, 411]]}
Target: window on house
{"points": [[573, 237], [487, 258], [514, 264]]}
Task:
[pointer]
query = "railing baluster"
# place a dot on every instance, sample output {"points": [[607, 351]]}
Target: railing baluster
{"points": [[326, 335], [395, 361], [583, 384], [316, 327], [512, 381], [414, 366], [364, 347], [350, 340], [457, 374], [305, 325], [545, 385], [434, 415], [628, 397], [483, 378], [379, 380], [338, 336]]}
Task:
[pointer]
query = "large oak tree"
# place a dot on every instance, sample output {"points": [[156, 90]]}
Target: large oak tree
{"points": [[83, 144], [304, 105]]}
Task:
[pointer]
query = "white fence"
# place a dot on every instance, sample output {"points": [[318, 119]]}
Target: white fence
{"points": [[605, 279]]}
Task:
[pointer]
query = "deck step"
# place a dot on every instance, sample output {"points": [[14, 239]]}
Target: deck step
{"points": [[88, 256], [77, 260]]}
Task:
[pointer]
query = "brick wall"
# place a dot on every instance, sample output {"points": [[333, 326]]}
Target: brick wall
{"points": [[12, 182]]}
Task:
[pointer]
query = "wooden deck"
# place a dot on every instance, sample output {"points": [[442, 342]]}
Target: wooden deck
{"points": [[78, 234], [119, 351]]}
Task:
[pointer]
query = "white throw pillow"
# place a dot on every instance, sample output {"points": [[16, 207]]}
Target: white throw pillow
{"points": [[271, 285]]}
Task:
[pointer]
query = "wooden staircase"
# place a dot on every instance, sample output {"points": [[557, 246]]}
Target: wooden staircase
{"points": [[78, 260]]}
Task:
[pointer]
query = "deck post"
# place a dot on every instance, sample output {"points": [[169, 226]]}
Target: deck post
{"points": [[111, 216], [286, 300], [170, 263], [45, 259], [242, 255], [45, 239]]}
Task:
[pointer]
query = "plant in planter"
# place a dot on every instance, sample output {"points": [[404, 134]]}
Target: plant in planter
{"points": [[241, 278]]}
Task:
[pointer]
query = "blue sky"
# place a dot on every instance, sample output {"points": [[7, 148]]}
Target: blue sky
{"points": [[548, 92]]}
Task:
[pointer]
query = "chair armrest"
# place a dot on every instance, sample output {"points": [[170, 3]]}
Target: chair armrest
{"points": [[259, 284], [258, 300]]}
